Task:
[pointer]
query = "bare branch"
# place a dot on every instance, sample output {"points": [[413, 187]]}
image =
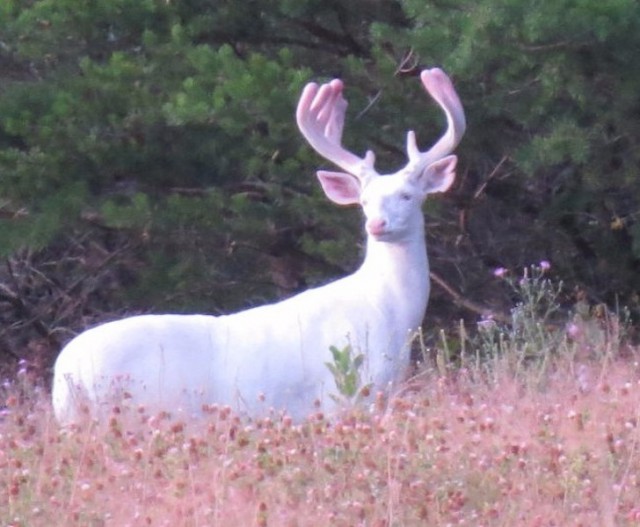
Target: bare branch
{"points": [[465, 302]]}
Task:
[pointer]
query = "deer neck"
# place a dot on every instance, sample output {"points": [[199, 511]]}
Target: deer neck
{"points": [[397, 273]]}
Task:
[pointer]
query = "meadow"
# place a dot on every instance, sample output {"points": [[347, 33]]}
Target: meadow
{"points": [[527, 424]]}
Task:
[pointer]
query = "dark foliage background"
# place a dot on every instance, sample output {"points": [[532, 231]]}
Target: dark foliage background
{"points": [[149, 159]]}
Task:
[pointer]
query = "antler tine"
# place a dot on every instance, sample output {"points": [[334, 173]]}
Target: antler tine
{"points": [[320, 116], [440, 87]]}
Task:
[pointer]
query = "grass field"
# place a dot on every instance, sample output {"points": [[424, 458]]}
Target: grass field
{"points": [[541, 429], [456, 450]]}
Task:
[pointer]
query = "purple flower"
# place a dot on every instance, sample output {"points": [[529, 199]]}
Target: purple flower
{"points": [[573, 330], [545, 265], [486, 323], [499, 272]]}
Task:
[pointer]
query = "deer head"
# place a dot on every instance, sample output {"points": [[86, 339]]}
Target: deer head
{"points": [[385, 199]]}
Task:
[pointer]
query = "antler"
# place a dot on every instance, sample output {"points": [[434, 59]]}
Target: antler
{"points": [[440, 87], [320, 117], [321, 112]]}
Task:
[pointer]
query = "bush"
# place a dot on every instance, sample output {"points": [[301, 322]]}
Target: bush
{"points": [[155, 141]]}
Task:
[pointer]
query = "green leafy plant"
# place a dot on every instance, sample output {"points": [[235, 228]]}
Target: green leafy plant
{"points": [[346, 370]]}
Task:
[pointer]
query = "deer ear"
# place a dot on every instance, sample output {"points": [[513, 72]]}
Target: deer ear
{"points": [[438, 176], [340, 187]]}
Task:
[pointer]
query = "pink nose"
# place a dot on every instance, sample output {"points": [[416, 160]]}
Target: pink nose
{"points": [[376, 226]]}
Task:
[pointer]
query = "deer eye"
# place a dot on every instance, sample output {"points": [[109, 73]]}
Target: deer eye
{"points": [[405, 196]]}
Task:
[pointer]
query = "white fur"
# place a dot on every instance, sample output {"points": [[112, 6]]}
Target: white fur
{"points": [[275, 355]]}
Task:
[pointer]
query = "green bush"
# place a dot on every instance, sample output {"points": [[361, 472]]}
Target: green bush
{"points": [[155, 142]]}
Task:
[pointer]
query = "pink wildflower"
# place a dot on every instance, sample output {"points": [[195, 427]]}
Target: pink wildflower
{"points": [[499, 272], [573, 330], [486, 322]]}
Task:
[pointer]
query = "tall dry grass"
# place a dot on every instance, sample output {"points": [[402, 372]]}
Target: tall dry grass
{"points": [[521, 436], [456, 451]]}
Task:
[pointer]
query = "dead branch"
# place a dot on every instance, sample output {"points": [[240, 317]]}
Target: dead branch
{"points": [[461, 301]]}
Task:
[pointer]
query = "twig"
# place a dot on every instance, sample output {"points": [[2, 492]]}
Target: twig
{"points": [[412, 56], [368, 106], [21, 306], [106, 261], [493, 173], [465, 302], [548, 47]]}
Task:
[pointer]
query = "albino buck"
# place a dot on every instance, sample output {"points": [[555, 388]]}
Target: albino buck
{"points": [[275, 356]]}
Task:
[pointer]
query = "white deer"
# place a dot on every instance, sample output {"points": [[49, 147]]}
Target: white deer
{"points": [[275, 356]]}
